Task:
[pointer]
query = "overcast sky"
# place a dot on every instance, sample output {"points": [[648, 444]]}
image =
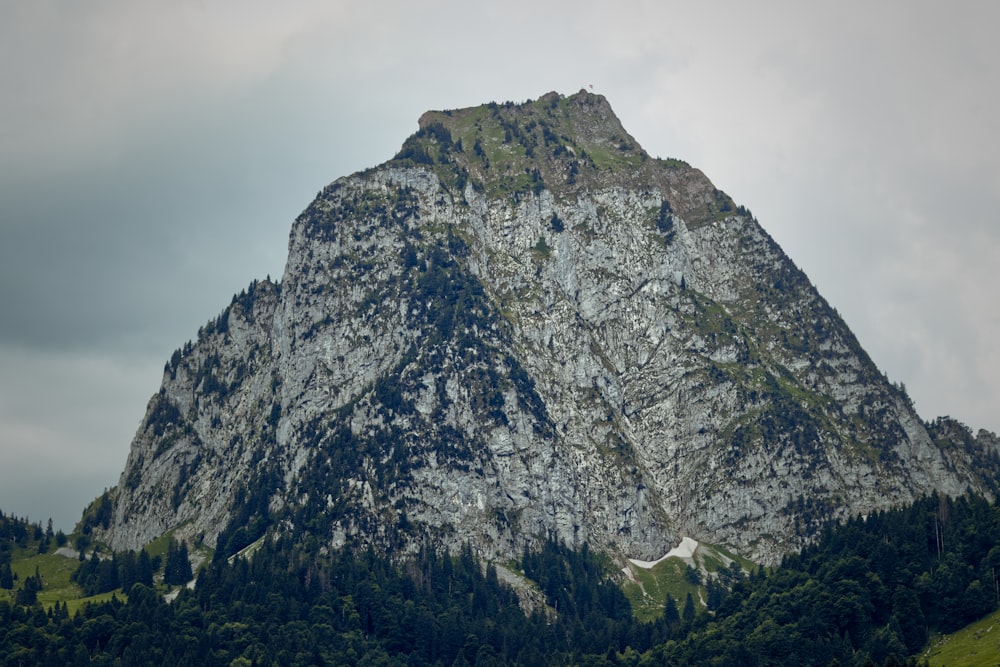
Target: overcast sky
{"points": [[154, 154]]}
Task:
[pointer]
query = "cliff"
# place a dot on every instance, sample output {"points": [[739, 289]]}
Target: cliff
{"points": [[520, 326]]}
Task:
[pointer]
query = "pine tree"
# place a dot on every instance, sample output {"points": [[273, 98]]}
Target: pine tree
{"points": [[671, 615], [127, 570], [144, 569], [28, 595], [688, 613], [107, 575], [177, 570]]}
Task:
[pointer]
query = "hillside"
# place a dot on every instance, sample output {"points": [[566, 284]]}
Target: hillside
{"points": [[976, 645], [524, 327], [870, 591]]}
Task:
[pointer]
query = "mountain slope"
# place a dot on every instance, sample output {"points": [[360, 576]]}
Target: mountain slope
{"points": [[524, 326]]}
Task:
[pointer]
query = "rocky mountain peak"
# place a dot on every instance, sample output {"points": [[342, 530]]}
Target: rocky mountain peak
{"points": [[564, 145], [523, 326]]}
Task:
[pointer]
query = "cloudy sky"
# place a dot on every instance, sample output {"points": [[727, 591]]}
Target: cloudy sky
{"points": [[153, 156]]}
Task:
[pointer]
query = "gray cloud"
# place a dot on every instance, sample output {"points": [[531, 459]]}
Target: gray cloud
{"points": [[155, 155], [65, 421]]}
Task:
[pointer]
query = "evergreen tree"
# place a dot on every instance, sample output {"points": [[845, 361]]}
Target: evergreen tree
{"points": [[28, 595], [868, 592], [107, 577], [671, 615], [144, 569], [6, 576], [907, 613], [177, 570], [688, 614], [127, 570], [715, 593]]}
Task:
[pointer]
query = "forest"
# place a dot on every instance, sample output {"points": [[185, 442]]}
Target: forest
{"points": [[871, 591]]}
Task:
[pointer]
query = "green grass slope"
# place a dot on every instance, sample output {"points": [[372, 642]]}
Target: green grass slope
{"points": [[976, 645], [647, 588], [56, 570]]}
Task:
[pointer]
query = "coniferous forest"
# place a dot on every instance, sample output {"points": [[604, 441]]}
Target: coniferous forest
{"points": [[868, 592]]}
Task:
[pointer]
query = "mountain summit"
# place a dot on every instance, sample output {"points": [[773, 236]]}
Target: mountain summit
{"points": [[523, 326]]}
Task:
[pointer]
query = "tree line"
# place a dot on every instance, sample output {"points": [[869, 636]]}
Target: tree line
{"points": [[870, 591]]}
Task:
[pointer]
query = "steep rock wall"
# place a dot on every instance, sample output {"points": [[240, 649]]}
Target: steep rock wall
{"points": [[525, 326]]}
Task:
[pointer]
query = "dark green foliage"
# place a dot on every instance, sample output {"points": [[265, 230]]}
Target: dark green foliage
{"points": [[417, 149], [869, 592], [177, 570], [163, 416], [144, 568], [575, 583], [123, 570], [220, 325], [98, 514], [250, 514], [671, 615], [571, 174], [556, 223], [346, 608], [715, 593], [721, 205], [414, 152], [171, 366], [439, 132], [687, 615], [184, 474], [16, 533], [246, 298], [665, 222], [874, 588], [208, 378], [98, 575], [909, 617], [27, 595], [537, 183]]}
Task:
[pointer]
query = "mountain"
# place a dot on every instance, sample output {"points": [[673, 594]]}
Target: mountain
{"points": [[525, 327]]}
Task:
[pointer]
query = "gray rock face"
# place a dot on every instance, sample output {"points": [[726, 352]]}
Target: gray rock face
{"points": [[525, 326]]}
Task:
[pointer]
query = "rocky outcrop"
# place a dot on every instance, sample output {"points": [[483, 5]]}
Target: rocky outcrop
{"points": [[524, 326]]}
